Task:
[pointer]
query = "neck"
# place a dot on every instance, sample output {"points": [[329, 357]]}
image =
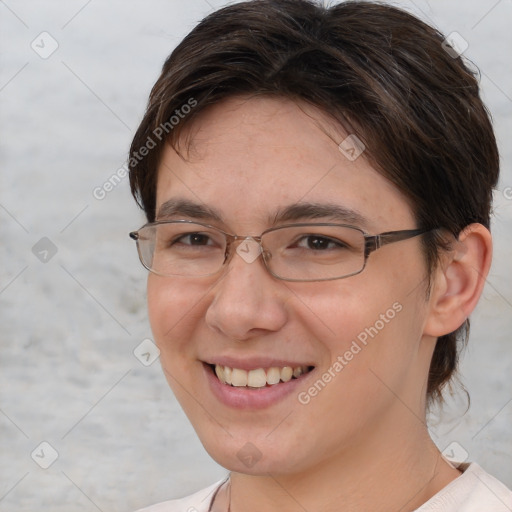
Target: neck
{"points": [[395, 467]]}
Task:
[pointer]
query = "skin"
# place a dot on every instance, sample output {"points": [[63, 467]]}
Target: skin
{"points": [[362, 441]]}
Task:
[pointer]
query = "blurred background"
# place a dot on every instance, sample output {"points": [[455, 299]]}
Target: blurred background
{"points": [[87, 421]]}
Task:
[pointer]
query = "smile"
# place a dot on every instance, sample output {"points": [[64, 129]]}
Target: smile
{"points": [[260, 377]]}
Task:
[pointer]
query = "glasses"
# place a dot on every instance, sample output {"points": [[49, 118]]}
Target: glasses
{"points": [[292, 252]]}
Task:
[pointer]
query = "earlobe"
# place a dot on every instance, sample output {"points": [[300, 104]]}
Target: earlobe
{"points": [[459, 281]]}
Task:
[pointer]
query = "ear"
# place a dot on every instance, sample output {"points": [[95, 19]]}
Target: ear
{"points": [[458, 281]]}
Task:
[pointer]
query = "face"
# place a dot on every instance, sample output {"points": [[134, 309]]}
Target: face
{"points": [[356, 338]]}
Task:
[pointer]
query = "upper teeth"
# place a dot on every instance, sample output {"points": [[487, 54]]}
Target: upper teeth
{"points": [[257, 378]]}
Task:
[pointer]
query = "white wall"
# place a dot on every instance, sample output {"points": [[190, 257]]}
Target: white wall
{"points": [[69, 326]]}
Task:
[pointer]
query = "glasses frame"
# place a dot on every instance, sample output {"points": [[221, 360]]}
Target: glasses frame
{"points": [[372, 243]]}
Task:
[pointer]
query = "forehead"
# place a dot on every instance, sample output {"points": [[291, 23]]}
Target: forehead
{"points": [[247, 157]]}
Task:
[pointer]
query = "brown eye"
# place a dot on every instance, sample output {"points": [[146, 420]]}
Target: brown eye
{"points": [[193, 239], [319, 243]]}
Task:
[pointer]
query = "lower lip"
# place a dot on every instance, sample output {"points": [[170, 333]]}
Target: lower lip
{"points": [[251, 398]]}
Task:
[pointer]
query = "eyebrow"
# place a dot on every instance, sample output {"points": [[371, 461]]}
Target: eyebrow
{"points": [[186, 208], [315, 211], [301, 211]]}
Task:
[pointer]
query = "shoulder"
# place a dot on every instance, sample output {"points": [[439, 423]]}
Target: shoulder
{"points": [[475, 490], [197, 502]]}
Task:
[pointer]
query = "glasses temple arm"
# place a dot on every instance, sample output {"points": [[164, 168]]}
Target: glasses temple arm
{"points": [[372, 243]]}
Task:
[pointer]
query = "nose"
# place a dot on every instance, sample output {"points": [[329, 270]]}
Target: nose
{"points": [[247, 301]]}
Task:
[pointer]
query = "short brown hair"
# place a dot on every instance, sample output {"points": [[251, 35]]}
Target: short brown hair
{"points": [[380, 72]]}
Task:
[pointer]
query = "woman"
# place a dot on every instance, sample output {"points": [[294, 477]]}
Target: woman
{"points": [[317, 184]]}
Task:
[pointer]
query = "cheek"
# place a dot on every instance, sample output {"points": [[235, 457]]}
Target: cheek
{"points": [[371, 348], [341, 312], [175, 311], [174, 308], [370, 323]]}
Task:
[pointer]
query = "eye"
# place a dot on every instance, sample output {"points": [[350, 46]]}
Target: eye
{"points": [[320, 243], [194, 239]]}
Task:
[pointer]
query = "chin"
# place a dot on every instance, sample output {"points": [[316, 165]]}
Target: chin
{"points": [[253, 455]]}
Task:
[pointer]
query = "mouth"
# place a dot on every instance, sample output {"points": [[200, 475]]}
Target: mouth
{"points": [[258, 378]]}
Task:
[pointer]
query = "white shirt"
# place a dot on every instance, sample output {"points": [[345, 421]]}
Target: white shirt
{"points": [[473, 491]]}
